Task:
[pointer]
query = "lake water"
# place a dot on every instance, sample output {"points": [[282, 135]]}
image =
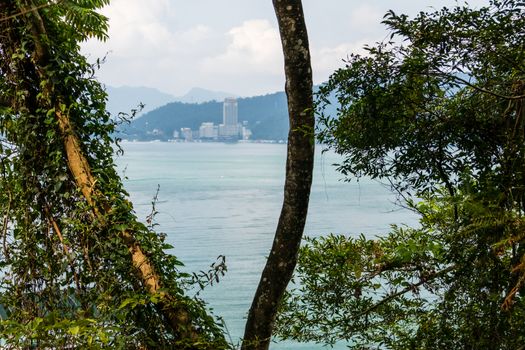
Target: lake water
{"points": [[225, 199]]}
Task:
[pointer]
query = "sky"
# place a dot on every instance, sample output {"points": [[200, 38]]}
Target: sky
{"points": [[232, 45]]}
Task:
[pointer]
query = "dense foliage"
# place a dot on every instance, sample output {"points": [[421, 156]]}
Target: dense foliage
{"points": [[439, 111], [67, 246]]}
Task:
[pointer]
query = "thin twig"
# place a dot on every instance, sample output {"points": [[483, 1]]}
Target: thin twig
{"points": [[469, 84], [406, 290]]}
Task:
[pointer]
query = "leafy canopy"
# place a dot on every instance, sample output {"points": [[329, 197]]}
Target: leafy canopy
{"points": [[438, 110]]}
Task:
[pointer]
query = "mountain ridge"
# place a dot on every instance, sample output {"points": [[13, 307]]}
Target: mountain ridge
{"points": [[266, 116], [125, 98]]}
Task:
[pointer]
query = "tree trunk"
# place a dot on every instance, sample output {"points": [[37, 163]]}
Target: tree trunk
{"points": [[299, 165]]}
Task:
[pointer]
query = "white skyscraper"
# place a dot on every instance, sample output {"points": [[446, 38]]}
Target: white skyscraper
{"points": [[229, 111], [230, 128]]}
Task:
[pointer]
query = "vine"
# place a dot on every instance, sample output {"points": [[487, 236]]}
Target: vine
{"points": [[78, 268]]}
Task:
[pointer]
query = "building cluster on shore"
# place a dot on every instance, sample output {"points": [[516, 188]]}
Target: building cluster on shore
{"points": [[229, 130]]}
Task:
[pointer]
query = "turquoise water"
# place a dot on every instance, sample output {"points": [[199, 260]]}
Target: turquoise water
{"points": [[224, 199]]}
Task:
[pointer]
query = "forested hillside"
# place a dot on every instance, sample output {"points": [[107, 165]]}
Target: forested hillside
{"points": [[266, 116]]}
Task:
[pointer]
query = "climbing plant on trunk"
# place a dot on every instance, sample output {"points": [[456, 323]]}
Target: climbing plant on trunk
{"points": [[79, 268]]}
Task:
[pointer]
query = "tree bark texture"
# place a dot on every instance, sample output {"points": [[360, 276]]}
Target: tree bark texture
{"points": [[299, 165]]}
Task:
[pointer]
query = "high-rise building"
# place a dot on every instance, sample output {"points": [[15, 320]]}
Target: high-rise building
{"points": [[229, 111], [230, 128]]}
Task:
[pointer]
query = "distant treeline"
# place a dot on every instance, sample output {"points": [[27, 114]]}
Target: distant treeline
{"points": [[266, 117]]}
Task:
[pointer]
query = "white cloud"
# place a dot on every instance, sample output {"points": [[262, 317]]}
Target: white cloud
{"points": [[147, 48], [254, 46], [145, 29], [175, 45], [365, 16]]}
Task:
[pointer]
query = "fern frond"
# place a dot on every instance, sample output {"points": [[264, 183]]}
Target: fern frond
{"points": [[82, 16]]}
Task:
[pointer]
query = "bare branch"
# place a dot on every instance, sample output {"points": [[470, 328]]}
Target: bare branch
{"points": [[480, 89]]}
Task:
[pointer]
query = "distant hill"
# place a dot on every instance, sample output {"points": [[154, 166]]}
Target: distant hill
{"points": [[200, 95], [266, 116], [125, 98]]}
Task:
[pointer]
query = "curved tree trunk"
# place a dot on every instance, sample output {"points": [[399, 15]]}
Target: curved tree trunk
{"points": [[299, 165]]}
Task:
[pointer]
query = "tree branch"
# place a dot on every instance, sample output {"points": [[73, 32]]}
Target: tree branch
{"points": [[390, 297], [480, 89], [24, 11]]}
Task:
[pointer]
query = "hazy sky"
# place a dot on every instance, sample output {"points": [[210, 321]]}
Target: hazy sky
{"points": [[232, 45]]}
